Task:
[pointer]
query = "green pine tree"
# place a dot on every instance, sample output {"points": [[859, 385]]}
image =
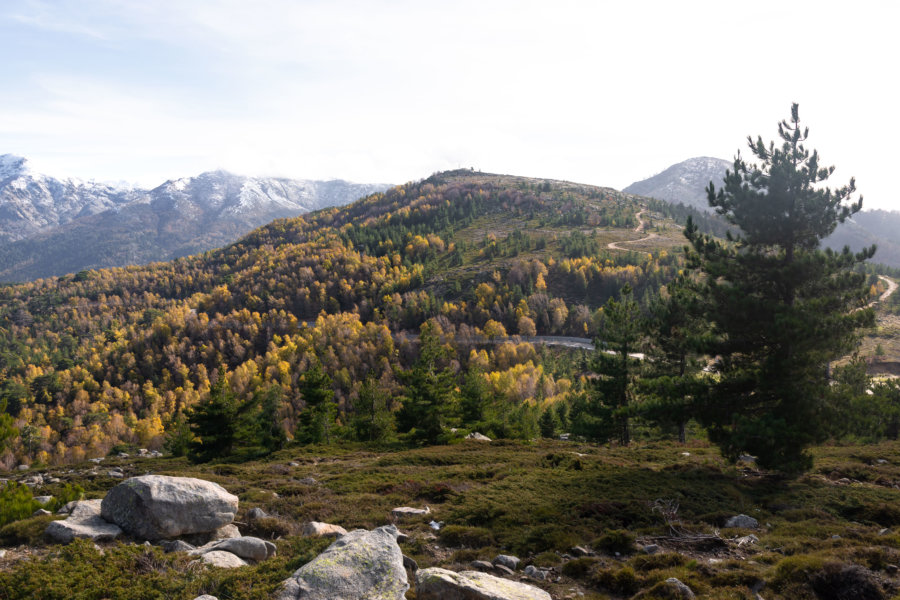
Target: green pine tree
{"points": [[372, 419], [670, 379], [214, 423], [781, 308], [318, 417], [429, 392], [621, 329]]}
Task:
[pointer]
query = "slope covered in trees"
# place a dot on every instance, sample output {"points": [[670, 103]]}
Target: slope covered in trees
{"points": [[119, 356]]}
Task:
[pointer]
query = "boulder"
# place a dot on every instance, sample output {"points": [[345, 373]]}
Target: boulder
{"points": [[248, 547], [510, 562], [84, 521], [742, 521], [535, 573], [678, 589], [441, 584], [402, 512], [363, 565], [256, 513], [317, 529], [222, 559], [156, 507], [479, 437]]}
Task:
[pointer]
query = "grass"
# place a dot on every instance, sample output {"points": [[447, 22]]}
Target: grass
{"points": [[836, 526]]}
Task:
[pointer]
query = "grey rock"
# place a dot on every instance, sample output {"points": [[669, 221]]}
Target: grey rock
{"points": [[176, 546], [535, 573], [402, 538], [410, 564], [222, 559], [43, 499], [41, 512], [23, 467], [205, 537], [317, 529], [307, 481], [742, 521], [84, 521], [504, 570], [441, 584], [116, 474], [677, 589], [256, 513], [747, 540], [510, 562], [651, 549], [478, 437], [293, 464], [206, 597], [481, 565], [579, 551], [405, 512], [158, 507], [249, 547], [362, 565]]}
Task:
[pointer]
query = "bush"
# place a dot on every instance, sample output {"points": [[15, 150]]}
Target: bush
{"points": [[16, 502], [579, 567], [25, 531], [470, 537], [618, 581], [649, 562], [616, 540]]}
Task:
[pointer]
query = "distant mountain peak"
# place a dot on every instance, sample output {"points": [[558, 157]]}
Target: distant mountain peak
{"points": [[684, 182], [12, 166]]}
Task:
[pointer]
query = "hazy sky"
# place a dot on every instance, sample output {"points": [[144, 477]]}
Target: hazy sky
{"points": [[596, 92]]}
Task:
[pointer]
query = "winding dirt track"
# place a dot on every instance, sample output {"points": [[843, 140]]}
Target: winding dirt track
{"points": [[638, 229]]}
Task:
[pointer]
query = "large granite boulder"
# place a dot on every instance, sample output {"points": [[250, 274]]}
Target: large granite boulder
{"points": [[441, 584], [84, 521], [153, 507], [361, 565]]}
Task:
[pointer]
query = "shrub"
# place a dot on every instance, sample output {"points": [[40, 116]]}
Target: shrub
{"points": [[579, 567], [649, 562], [618, 581], [470, 537], [837, 581], [616, 540], [16, 502]]}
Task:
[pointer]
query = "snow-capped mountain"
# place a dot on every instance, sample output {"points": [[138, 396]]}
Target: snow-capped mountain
{"points": [[684, 182], [31, 203], [52, 227]]}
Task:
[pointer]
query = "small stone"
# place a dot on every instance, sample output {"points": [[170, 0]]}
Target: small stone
{"points": [[579, 551], [651, 549], [881, 461], [479, 437], [43, 499], [402, 538], [747, 540], [535, 573], [96, 461], [510, 562], [116, 474], [835, 537], [884, 531], [123, 455], [481, 565], [436, 525], [293, 464], [23, 467], [743, 522], [403, 512], [504, 570], [679, 588], [206, 597], [891, 569], [223, 560], [41, 512], [317, 529], [307, 481], [441, 584], [685, 453], [2, 553], [176, 546], [256, 513]]}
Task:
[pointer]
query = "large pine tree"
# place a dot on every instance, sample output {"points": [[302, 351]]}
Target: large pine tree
{"points": [[780, 307]]}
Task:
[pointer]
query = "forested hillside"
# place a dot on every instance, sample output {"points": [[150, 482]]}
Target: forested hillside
{"points": [[118, 356]]}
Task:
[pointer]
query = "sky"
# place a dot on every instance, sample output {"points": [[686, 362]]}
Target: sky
{"points": [[596, 92]]}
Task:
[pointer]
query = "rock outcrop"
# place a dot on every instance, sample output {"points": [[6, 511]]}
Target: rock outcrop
{"points": [[154, 507], [363, 565], [251, 548], [84, 521], [742, 521], [441, 584]]}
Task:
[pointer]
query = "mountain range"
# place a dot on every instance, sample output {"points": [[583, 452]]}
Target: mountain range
{"points": [[51, 227], [686, 182]]}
